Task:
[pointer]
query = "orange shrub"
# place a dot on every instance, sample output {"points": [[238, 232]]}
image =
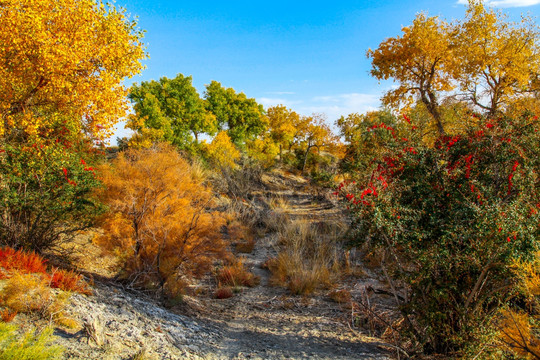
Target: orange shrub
{"points": [[159, 220], [7, 315]]}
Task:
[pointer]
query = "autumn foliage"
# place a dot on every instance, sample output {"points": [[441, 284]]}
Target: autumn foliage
{"points": [[159, 220], [60, 88], [20, 261], [484, 62], [17, 262], [67, 60]]}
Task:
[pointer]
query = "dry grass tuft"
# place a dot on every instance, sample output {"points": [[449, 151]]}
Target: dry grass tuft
{"points": [[242, 236], [308, 257], [27, 293], [223, 293], [342, 296], [245, 247], [236, 275]]}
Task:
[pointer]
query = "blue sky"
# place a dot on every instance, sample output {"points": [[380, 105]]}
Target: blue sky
{"points": [[307, 55]]}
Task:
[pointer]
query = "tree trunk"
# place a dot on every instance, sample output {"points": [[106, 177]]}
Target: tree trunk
{"points": [[305, 158], [430, 101]]}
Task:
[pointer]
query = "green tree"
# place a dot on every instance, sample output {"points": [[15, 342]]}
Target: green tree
{"points": [[242, 117], [172, 109]]}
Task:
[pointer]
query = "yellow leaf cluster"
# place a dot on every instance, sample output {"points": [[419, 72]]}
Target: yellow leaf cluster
{"points": [[484, 62], [496, 58], [282, 124], [519, 329], [222, 152], [264, 150], [65, 59], [418, 61], [517, 334]]}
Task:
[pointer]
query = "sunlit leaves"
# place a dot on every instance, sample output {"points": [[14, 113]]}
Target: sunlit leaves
{"points": [[418, 61], [240, 116], [497, 59], [483, 61], [170, 110], [221, 152], [65, 59]]}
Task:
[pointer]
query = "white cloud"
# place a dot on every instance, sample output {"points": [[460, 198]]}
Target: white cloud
{"points": [[332, 106], [335, 106], [268, 102], [506, 3]]}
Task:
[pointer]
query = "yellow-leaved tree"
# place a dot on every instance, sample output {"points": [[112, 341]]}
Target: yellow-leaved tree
{"points": [[222, 152], [482, 62], [159, 220], [317, 135], [498, 60], [283, 125], [418, 61], [64, 61], [519, 328]]}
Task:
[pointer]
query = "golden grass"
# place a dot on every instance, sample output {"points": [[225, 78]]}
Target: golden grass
{"points": [[27, 293], [236, 275], [308, 257]]}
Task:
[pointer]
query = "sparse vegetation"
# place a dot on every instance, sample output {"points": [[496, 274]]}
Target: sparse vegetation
{"points": [[309, 256], [236, 275]]}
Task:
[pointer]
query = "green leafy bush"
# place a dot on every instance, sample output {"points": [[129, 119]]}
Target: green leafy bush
{"points": [[451, 219], [45, 193]]}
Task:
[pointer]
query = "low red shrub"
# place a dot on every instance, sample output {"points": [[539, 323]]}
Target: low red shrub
{"points": [[23, 262], [7, 315], [69, 281]]}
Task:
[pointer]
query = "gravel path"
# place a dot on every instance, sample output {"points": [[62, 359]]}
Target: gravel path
{"points": [[263, 322]]}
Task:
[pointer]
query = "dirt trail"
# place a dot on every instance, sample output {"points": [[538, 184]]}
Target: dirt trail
{"points": [[265, 322]]}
